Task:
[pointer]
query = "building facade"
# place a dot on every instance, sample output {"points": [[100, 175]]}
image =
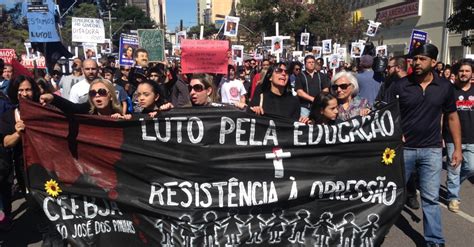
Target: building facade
{"points": [[208, 9], [400, 17], [155, 9]]}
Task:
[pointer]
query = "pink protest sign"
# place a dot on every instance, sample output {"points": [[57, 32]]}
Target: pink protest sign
{"points": [[204, 56], [7, 55]]}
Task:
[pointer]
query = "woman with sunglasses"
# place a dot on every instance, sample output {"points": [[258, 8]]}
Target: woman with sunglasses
{"points": [[345, 88], [202, 91], [324, 109], [273, 97], [102, 101], [149, 98]]}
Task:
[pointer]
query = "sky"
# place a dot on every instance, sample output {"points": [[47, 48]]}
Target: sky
{"points": [[180, 9]]}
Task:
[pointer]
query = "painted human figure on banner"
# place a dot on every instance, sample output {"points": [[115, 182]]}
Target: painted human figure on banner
{"points": [[323, 229], [255, 224], [187, 230], [232, 231], [210, 231], [167, 230], [349, 230], [277, 225], [369, 230], [299, 226]]}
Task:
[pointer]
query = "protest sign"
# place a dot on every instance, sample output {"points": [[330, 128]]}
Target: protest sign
{"points": [[317, 51], [357, 49], [304, 39], [277, 45], [215, 175], [87, 30], [7, 55], [238, 54], [342, 52], [381, 51], [128, 45], [90, 50], [327, 46], [29, 62], [204, 56], [180, 36], [153, 41], [372, 28], [418, 38], [41, 23], [298, 56], [231, 26], [334, 61]]}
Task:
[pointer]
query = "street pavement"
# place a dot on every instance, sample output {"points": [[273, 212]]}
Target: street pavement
{"points": [[408, 231]]}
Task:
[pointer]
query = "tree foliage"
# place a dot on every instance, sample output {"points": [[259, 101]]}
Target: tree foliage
{"points": [[323, 19], [14, 29], [462, 19]]}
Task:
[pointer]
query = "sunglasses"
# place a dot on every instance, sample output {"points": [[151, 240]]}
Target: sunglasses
{"points": [[197, 88], [342, 86], [280, 70], [297, 69], [101, 92], [125, 69]]}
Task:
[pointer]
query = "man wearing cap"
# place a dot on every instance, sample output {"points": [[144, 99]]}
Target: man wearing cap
{"points": [[424, 97], [368, 86], [79, 92]]}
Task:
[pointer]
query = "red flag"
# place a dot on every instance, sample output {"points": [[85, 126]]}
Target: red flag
{"points": [[19, 69]]}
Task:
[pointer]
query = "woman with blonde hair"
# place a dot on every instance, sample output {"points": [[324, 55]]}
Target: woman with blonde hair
{"points": [[102, 101], [202, 91]]}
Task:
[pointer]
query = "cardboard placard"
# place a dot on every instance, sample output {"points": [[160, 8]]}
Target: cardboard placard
{"points": [[204, 56], [153, 41], [29, 63], [128, 45], [7, 55], [42, 24], [87, 30]]}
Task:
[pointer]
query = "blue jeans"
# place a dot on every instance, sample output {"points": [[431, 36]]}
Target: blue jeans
{"points": [[428, 162], [457, 175]]}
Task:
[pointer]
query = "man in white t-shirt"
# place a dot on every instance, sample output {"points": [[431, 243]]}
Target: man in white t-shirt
{"points": [[233, 90], [79, 92]]}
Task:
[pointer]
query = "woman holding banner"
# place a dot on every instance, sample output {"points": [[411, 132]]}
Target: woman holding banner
{"points": [[274, 97], [345, 87], [150, 99], [102, 101], [202, 91]]}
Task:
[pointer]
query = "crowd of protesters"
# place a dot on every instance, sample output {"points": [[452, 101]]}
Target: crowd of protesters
{"points": [[307, 92]]}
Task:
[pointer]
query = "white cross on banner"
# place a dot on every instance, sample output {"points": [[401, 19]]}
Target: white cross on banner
{"points": [[277, 155]]}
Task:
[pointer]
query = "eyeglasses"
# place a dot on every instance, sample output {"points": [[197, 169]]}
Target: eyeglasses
{"points": [[342, 86], [280, 70], [197, 88], [101, 92]]}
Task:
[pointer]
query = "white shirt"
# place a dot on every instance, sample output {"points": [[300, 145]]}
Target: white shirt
{"points": [[232, 91], [79, 92]]}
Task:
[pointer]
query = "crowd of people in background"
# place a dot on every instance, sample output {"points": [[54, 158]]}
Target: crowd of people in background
{"points": [[307, 92]]}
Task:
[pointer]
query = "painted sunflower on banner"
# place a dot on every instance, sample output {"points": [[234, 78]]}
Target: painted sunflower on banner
{"points": [[52, 188], [387, 156]]}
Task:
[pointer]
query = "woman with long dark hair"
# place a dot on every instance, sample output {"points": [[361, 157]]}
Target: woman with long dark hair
{"points": [[324, 109], [273, 97]]}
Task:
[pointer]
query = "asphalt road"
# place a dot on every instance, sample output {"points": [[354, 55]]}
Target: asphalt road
{"points": [[408, 231]]}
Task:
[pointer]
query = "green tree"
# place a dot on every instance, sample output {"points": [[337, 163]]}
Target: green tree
{"points": [[319, 18], [14, 30], [462, 20]]}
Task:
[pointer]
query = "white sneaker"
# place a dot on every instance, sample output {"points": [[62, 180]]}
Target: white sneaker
{"points": [[453, 206]]}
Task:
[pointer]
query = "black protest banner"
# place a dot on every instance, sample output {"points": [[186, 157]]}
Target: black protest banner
{"points": [[215, 177]]}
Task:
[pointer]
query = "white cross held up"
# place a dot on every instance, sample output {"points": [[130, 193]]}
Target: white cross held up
{"points": [[277, 34], [277, 155]]}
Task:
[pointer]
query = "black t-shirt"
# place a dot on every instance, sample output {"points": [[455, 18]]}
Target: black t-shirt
{"points": [[311, 85], [285, 106], [421, 110], [465, 108]]}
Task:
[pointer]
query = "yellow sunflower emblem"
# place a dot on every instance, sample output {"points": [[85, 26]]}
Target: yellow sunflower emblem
{"points": [[387, 156], [52, 188]]}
